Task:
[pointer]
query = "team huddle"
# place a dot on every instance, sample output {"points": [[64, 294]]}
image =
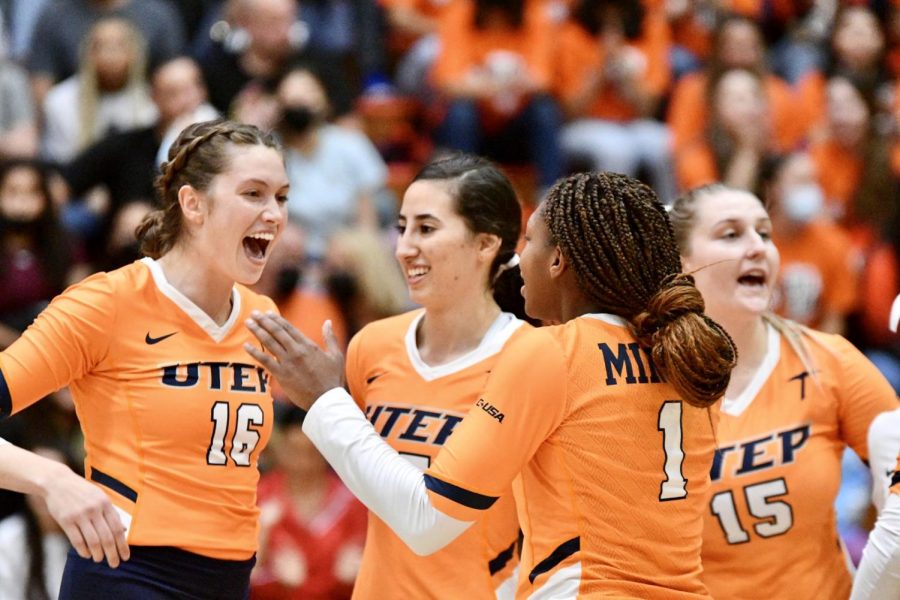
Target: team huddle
{"points": [[611, 412]]}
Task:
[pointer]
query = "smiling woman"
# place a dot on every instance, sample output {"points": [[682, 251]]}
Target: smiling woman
{"points": [[174, 417], [796, 399]]}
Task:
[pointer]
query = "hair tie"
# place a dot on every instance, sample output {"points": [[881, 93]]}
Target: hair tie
{"points": [[512, 262]]}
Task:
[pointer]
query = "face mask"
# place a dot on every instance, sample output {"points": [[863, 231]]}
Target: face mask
{"points": [[298, 119], [286, 281], [803, 203], [342, 286]]}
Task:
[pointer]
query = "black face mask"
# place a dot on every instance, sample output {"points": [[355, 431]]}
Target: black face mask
{"points": [[298, 119], [286, 281], [342, 286]]}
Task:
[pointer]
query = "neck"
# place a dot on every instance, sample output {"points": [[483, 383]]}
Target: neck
{"points": [[750, 336], [257, 65], [573, 303], [208, 290], [447, 333]]}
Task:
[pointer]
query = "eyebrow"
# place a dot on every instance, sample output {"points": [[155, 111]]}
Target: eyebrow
{"points": [[420, 217], [735, 220]]}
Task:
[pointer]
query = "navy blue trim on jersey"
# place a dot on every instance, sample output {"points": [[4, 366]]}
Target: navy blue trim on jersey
{"points": [[501, 560], [458, 494], [564, 551], [113, 484], [5, 398], [157, 572], [895, 479]]}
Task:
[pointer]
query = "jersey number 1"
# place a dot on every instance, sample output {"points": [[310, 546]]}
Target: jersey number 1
{"points": [[674, 486], [244, 440]]}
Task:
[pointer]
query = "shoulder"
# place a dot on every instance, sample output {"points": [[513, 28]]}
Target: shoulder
{"points": [[62, 93], [391, 328], [251, 300]]}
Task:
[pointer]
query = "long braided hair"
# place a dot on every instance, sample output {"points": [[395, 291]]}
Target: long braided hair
{"points": [[197, 156], [617, 236]]}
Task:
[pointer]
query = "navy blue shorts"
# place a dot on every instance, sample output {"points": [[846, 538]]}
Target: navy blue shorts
{"points": [[157, 573]]}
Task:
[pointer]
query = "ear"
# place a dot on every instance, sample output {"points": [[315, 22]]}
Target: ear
{"points": [[193, 204], [489, 245], [559, 265]]}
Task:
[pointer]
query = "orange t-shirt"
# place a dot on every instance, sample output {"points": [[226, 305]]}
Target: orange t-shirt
{"points": [[610, 470], [695, 165], [770, 529], [579, 55], [464, 46], [174, 413], [415, 408], [689, 111], [819, 273]]}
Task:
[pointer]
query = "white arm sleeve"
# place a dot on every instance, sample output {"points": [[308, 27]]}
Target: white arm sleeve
{"points": [[383, 480], [884, 445], [878, 576]]}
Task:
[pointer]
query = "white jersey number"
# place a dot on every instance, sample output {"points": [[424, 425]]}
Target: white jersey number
{"points": [[674, 486], [776, 516], [245, 437]]}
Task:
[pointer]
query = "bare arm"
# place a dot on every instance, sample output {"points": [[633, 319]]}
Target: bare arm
{"points": [[82, 510]]}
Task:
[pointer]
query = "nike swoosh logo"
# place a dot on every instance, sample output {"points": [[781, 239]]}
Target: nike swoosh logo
{"points": [[374, 377], [152, 340]]}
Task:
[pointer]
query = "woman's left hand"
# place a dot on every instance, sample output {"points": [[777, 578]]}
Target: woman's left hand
{"points": [[303, 370]]}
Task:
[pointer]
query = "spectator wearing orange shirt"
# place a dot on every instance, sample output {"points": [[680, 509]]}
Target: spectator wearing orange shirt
{"points": [[738, 44], [819, 268], [737, 140], [494, 68], [613, 71], [858, 53], [854, 161]]}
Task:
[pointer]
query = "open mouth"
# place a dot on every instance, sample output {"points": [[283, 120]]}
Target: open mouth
{"points": [[414, 274], [256, 244], [754, 280]]}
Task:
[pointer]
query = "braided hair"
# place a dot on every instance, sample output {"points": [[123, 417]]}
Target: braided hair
{"points": [[197, 156], [617, 237]]}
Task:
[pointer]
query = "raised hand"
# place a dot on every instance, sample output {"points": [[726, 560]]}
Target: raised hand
{"points": [[303, 370]]}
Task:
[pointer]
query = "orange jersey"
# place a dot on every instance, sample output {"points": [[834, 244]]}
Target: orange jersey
{"points": [[610, 470], [770, 529], [415, 408], [174, 415]]}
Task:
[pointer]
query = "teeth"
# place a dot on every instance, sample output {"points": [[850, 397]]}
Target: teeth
{"points": [[416, 271], [263, 236]]}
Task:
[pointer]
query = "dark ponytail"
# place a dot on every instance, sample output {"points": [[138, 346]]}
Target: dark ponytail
{"points": [[487, 202]]}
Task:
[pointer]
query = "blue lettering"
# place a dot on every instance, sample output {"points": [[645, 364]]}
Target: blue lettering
{"points": [[192, 376], [417, 422], [450, 423], [394, 413], [239, 377], [618, 362], [790, 443], [748, 464], [715, 473], [215, 374]]}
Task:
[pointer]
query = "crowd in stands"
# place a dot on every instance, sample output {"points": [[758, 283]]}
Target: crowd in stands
{"points": [[795, 100]]}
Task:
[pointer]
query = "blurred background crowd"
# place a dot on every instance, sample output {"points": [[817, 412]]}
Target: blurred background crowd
{"points": [[796, 100]]}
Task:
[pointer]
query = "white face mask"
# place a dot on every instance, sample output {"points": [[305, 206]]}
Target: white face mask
{"points": [[803, 203]]}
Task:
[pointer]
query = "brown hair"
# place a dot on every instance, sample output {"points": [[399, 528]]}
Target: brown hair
{"points": [[616, 235], [683, 217], [197, 156]]}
